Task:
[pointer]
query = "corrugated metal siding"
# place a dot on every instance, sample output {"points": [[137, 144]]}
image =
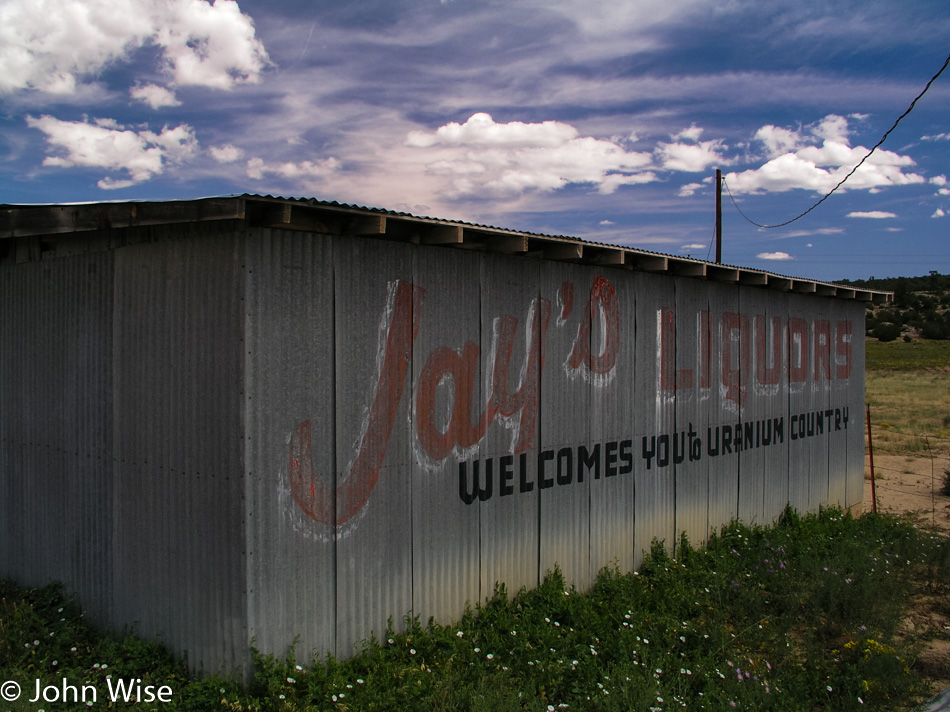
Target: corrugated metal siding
{"points": [[769, 334], [178, 553], [55, 390], [758, 402], [613, 404], [221, 436], [654, 419], [289, 388], [722, 411], [854, 488], [508, 526], [564, 425], [448, 368], [373, 448], [692, 408]]}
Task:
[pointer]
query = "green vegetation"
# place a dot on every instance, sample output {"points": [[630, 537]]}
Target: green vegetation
{"points": [[920, 310], [801, 616], [907, 386], [902, 357]]}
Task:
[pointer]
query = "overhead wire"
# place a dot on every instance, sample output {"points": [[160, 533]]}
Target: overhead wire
{"points": [[851, 173]]}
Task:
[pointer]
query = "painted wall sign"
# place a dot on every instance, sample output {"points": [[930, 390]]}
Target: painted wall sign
{"points": [[734, 351]]}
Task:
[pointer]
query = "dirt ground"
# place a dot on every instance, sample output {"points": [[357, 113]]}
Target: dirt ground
{"points": [[910, 485]]}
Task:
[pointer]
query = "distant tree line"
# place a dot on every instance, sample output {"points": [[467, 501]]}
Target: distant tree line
{"points": [[921, 307]]}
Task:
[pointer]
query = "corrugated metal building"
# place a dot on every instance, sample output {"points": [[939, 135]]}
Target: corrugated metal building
{"points": [[256, 418]]}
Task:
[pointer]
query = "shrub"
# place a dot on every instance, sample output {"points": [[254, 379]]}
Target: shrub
{"points": [[887, 332]]}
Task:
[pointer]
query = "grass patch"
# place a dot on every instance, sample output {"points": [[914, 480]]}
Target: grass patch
{"points": [[901, 356], [800, 616], [909, 403]]}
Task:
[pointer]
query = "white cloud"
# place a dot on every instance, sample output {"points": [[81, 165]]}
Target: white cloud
{"points": [[937, 137], [226, 153], [938, 213], [816, 231], [873, 214], [691, 157], [689, 189], [691, 134], [689, 154], [485, 158], [54, 45], [606, 222], [482, 131], [798, 161], [154, 95], [774, 256], [106, 144], [777, 140], [693, 247], [256, 168], [832, 128], [939, 180]]}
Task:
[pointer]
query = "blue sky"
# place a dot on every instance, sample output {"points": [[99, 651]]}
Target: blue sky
{"points": [[600, 119]]}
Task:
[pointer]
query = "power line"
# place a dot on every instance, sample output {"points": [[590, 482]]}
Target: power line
{"points": [[851, 173]]}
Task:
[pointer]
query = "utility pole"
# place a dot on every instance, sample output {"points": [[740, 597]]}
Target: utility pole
{"points": [[718, 216]]}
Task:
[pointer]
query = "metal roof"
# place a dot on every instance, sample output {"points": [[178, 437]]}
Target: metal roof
{"points": [[31, 228]]}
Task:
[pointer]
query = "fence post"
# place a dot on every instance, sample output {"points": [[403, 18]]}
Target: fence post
{"points": [[871, 454]]}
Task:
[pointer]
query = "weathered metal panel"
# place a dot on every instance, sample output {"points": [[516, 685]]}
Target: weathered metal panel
{"points": [[798, 340], [685, 371], [613, 401], [55, 428], [654, 420], [179, 444], [515, 319], [449, 415], [290, 449], [819, 413], [845, 414], [763, 478], [853, 349], [375, 300], [567, 459], [770, 375], [719, 373]]}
